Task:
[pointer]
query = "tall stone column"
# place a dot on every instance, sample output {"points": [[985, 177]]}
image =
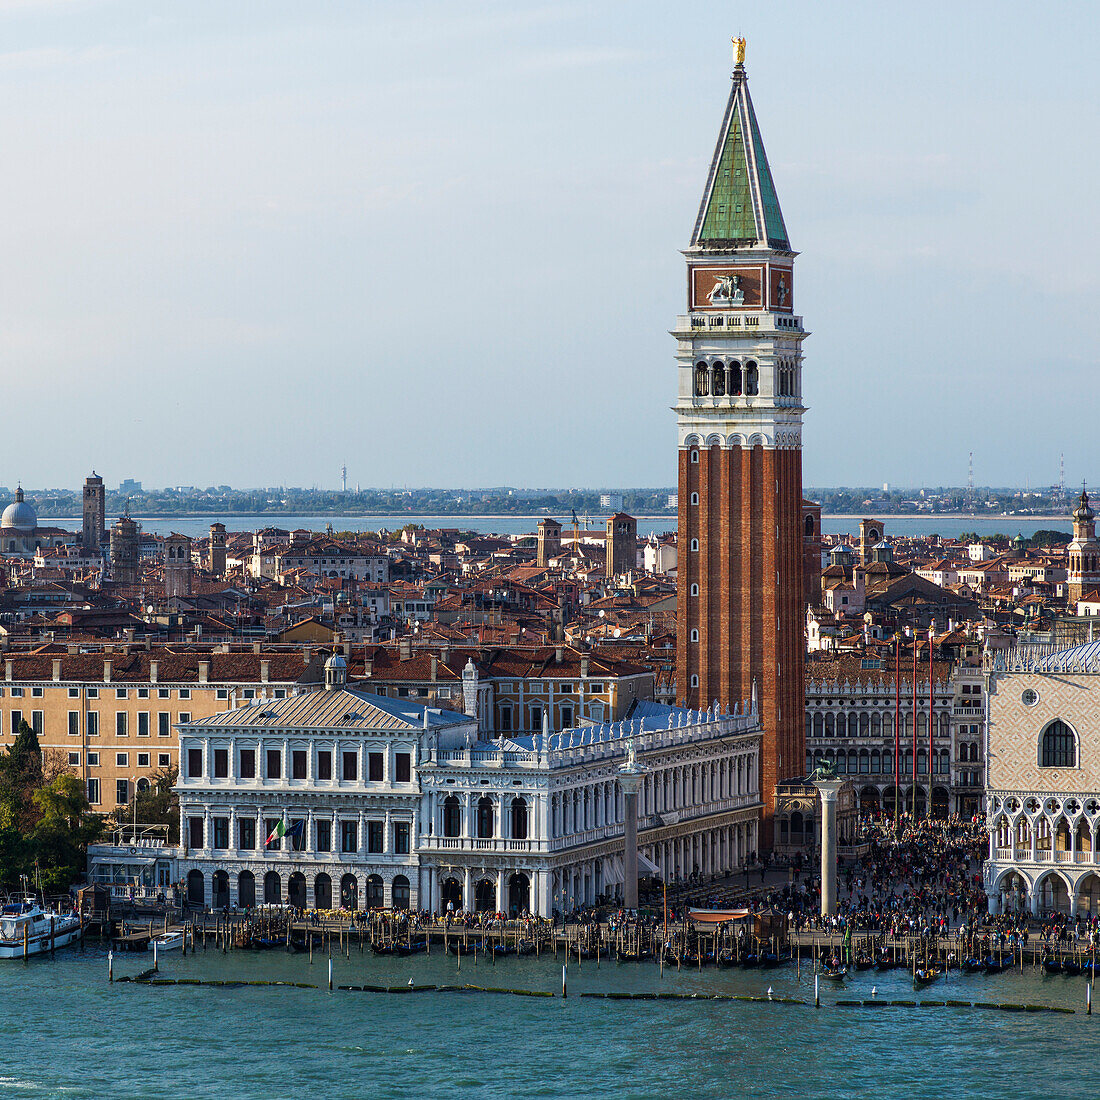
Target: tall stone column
{"points": [[828, 788], [630, 839], [630, 777]]}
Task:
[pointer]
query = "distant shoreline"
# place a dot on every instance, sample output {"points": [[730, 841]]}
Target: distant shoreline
{"points": [[883, 517]]}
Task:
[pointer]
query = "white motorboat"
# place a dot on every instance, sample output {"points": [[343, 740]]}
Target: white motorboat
{"points": [[168, 941], [26, 928]]}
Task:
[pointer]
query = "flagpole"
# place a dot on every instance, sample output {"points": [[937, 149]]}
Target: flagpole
{"points": [[931, 638]]}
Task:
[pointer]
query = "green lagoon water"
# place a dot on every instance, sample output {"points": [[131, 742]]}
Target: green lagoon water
{"points": [[68, 1033]]}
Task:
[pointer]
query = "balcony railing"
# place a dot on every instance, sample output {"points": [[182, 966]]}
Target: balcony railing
{"points": [[480, 844], [1045, 855]]}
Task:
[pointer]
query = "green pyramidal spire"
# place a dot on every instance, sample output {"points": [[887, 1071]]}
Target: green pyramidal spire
{"points": [[740, 207]]}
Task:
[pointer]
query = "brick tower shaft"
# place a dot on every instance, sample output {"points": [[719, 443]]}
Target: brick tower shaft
{"points": [[740, 600]]}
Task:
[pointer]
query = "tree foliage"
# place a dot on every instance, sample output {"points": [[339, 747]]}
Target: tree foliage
{"points": [[46, 822], [157, 805]]}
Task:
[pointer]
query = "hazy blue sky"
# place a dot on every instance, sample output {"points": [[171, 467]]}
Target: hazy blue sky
{"points": [[247, 242]]}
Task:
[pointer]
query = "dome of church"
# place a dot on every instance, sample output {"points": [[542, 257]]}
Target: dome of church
{"points": [[1082, 513], [19, 515]]}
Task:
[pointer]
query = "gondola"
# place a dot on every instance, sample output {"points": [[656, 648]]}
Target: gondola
{"points": [[750, 958], [526, 947], [864, 962], [994, 966], [885, 961], [503, 950], [1070, 968], [834, 973], [727, 959], [772, 959], [926, 975], [973, 966], [403, 950], [382, 948]]}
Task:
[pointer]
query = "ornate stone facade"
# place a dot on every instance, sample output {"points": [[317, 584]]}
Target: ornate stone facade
{"points": [[1043, 797]]}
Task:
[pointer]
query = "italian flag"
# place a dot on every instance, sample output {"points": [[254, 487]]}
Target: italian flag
{"points": [[277, 833]]}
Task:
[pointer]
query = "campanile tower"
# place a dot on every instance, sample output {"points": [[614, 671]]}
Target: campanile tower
{"points": [[739, 418]]}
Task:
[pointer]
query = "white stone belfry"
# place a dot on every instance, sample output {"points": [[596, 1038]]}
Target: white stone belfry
{"points": [[469, 689]]}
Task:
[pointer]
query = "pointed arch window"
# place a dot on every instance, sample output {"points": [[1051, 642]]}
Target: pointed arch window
{"points": [[1058, 746]]}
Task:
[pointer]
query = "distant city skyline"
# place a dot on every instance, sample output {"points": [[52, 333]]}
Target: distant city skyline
{"points": [[438, 242]]}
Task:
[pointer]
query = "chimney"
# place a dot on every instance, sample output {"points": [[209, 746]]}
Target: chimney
{"points": [[435, 668], [558, 654], [72, 649], [307, 654], [405, 648], [106, 672], [57, 669], [265, 671], [368, 667], [584, 667], [255, 647], [153, 671], [7, 670], [347, 650], [204, 672]]}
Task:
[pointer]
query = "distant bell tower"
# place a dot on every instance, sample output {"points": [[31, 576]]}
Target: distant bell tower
{"points": [[740, 600], [178, 568], [94, 528], [549, 541], [217, 549], [870, 535], [622, 544], [1083, 553]]}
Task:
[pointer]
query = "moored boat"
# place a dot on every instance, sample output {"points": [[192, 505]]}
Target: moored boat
{"points": [[168, 941], [926, 975], [26, 928]]}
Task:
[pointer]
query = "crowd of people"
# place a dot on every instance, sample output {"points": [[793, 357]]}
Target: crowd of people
{"points": [[918, 877]]}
